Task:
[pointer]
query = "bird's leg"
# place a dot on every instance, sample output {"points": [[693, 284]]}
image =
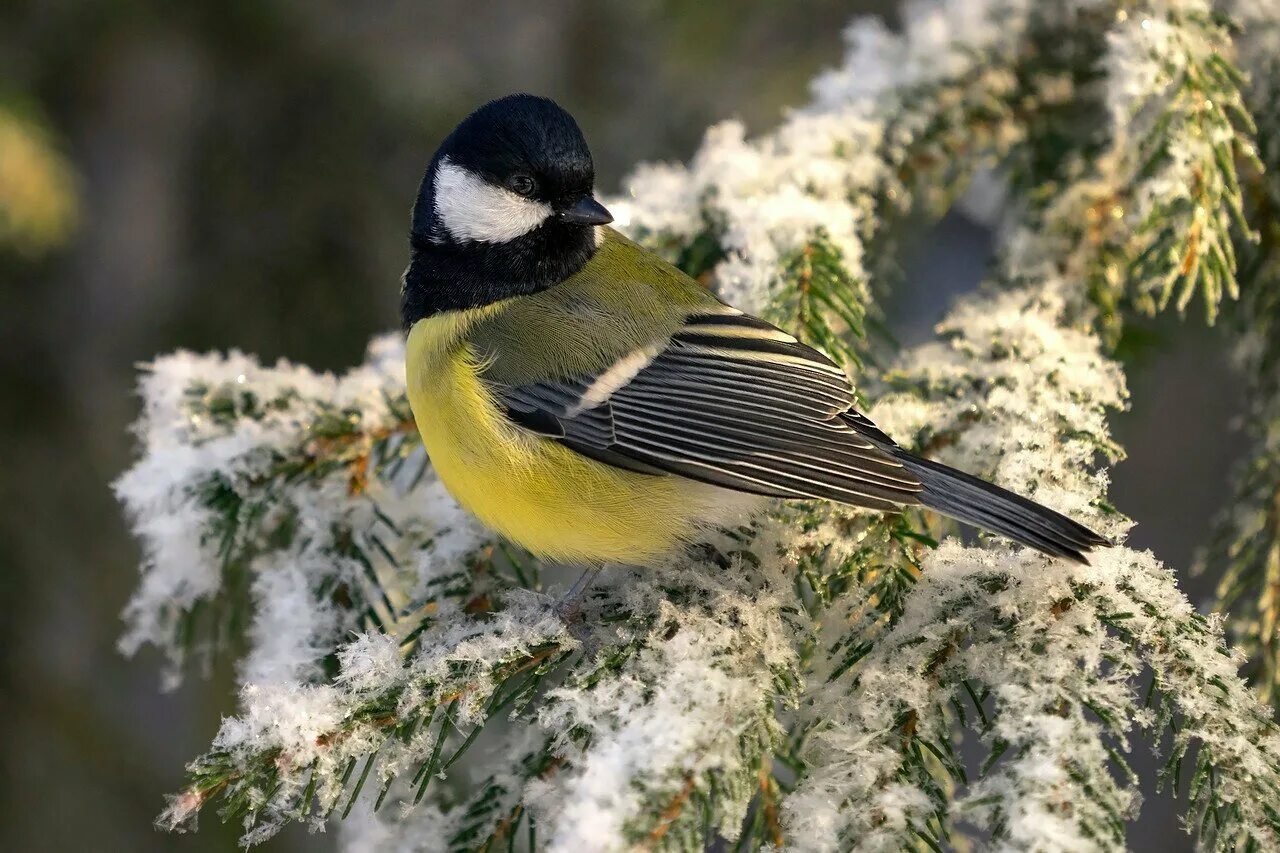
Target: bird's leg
{"points": [[569, 607], [708, 553]]}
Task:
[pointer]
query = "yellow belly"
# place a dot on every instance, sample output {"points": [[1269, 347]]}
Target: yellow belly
{"points": [[532, 490]]}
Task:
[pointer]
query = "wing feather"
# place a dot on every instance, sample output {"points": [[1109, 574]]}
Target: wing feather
{"points": [[795, 460], [730, 400]]}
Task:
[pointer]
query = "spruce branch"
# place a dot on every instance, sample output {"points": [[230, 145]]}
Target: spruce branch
{"points": [[1245, 545], [244, 465], [1183, 136], [697, 671], [1011, 386], [820, 299], [293, 753]]}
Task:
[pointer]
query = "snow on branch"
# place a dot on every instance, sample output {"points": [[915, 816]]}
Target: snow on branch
{"points": [[306, 494], [1180, 125], [806, 681], [294, 750], [672, 736], [1245, 548]]}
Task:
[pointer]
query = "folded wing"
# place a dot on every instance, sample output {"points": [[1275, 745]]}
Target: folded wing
{"points": [[730, 400]]}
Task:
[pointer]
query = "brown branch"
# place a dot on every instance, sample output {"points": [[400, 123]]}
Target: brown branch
{"points": [[513, 817], [528, 663], [1269, 602], [804, 282], [769, 806], [358, 479], [501, 830], [669, 814]]}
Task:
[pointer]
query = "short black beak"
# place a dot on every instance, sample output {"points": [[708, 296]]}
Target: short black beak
{"points": [[587, 211]]}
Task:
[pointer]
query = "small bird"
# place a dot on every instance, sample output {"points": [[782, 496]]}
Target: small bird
{"points": [[594, 404]]}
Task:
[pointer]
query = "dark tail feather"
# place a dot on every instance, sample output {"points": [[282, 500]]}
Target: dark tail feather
{"points": [[977, 502]]}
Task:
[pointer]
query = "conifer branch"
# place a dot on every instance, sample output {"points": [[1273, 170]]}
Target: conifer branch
{"points": [[1168, 211], [1191, 132], [259, 463], [293, 754], [1245, 546]]}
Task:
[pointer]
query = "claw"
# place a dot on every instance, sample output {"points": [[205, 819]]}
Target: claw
{"points": [[569, 607]]}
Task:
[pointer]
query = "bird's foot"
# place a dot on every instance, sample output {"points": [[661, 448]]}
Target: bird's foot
{"points": [[569, 607]]}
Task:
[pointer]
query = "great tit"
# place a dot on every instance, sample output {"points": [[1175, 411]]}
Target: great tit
{"points": [[592, 403]]}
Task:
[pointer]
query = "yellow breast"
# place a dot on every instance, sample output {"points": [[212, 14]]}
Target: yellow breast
{"points": [[533, 490]]}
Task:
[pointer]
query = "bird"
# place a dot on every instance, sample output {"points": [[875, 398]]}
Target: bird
{"points": [[592, 403]]}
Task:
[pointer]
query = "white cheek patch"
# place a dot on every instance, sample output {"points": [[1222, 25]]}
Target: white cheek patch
{"points": [[472, 209]]}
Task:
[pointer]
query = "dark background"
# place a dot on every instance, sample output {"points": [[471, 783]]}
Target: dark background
{"points": [[245, 172]]}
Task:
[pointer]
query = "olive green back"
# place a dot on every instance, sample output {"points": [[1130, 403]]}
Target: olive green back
{"points": [[623, 299]]}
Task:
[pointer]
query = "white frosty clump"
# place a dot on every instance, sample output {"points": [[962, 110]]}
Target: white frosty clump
{"points": [[1179, 126], [323, 728], [1009, 375], [694, 702], [214, 429], [766, 197], [291, 631], [1143, 57]]}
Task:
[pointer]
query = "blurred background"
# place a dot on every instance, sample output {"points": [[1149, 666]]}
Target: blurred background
{"points": [[239, 174]]}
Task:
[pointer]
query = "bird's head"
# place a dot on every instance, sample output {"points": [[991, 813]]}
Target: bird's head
{"points": [[505, 208], [512, 167]]}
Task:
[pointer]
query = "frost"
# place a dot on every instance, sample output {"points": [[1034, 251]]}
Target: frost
{"points": [[679, 710], [214, 430]]}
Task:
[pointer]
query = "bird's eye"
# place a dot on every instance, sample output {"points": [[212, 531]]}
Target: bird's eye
{"points": [[521, 184]]}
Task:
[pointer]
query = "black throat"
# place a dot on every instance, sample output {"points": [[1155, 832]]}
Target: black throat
{"points": [[455, 276]]}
